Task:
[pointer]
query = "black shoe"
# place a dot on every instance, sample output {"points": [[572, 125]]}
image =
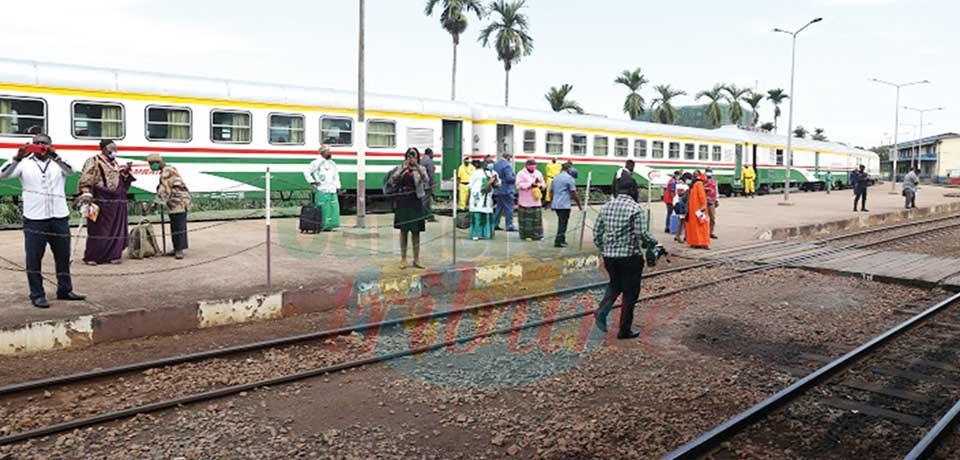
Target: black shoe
{"points": [[71, 296], [630, 335], [715, 237], [865, 210], [499, 229], [178, 255], [40, 302]]}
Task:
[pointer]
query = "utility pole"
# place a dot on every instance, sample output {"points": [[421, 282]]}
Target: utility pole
{"points": [[896, 128], [361, 131]]}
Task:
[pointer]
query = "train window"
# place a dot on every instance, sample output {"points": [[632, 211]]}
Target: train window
{"points": [[689, 151], [657, 149], [578, 144], [779, 157], [554, 143], [704, 153], [640, 148], [674, 150], [230, 127], [22, 116], [336, 131], [530, 141], [601, 146], [97, 120], [381, 133], [717, 153], [621, 147], [172, 124], [286, 129]]}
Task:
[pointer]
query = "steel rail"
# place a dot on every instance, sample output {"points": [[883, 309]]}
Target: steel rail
{"points": [[712, 439], [236, 389], [925, 448], [870, 231], [910, 235]]}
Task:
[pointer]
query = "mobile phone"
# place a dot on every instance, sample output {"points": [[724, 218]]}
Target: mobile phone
{"points": [[37, 149]]}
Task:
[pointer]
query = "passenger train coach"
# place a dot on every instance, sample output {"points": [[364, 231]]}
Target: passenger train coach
{"points": [[223, 134]]}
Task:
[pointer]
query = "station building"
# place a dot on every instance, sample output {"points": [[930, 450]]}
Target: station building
{"points": [[938, 158]]}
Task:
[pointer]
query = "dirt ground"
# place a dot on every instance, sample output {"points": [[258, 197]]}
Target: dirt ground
{"points": [[703, 357]]}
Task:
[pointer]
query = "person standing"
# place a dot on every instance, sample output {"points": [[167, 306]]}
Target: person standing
{"points": [[713, 201], [409, 182], [504, 196], [552, 170], [698, 219], [620, 234], [623, 174], [105, 183], [828, 181], [427, 162], [668, 194], [464, 173], [564, 190], [749, 178], [46, 217], [531, 185], [859, 180], [910, 184], [680, 205], [173, 194], [482, 185], [322, 173]]}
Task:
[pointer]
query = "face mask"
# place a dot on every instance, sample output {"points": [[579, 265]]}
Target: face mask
{"points": [[489, 167], [709, 174], [154, 166], [688, 182], [112, 155], [531, 168]]}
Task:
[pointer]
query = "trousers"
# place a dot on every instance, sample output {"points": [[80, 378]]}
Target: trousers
{"points": [[178, 231], [910, 197], [563, 217], [625, 274], [37, 234], [666, 223], [860, 196], [505, 205]]}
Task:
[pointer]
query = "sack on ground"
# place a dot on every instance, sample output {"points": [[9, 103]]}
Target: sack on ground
{"points": [[463, 220], [143, 241]]}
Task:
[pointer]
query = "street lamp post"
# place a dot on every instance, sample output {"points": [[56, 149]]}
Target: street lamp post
{"points": [[896, 127], [916, 163], [361, 131], [793, 97]]}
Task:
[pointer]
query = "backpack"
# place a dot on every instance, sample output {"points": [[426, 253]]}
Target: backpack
{"points": [[142, 241]]}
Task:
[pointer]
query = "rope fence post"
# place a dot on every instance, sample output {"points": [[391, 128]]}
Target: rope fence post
{"points": [[268, 210], [455, 206], [586, 206]]}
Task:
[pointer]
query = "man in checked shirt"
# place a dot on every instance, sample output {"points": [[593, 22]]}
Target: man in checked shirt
{"points": [[620, 234]]}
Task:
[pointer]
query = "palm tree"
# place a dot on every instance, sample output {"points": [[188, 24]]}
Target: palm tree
{"points": [[776, 96], [754, 100], [512, 40], [663, 109], [768, 127], [558, 99], [800, 132], [714, 109], [818, 134], [734, 94], [634, 80], [453, 18]]}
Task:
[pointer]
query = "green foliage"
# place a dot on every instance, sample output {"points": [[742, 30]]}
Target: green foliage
{"points": [[510, 32], [800, 132], [818, 134], [558, 99], [768, 126], [754, 100], [714, 111], [453, 14], [664, 111], [634, 106], [776, 96], [734, 95]]}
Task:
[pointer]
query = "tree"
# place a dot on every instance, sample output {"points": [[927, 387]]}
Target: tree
{"points": [[768, 127], [511, 38], [663, 109], [634, 80], [776, 96], [714, 110], [734, 94], [800, 132], [754, 100], [453, 18], [558, 99], [818, 135]]}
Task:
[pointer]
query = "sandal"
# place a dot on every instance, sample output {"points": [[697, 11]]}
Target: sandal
{"points": [[90, 263], [418, 266], [403, 266]]}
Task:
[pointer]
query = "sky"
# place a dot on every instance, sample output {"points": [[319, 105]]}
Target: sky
{"points": [[688, 44]]}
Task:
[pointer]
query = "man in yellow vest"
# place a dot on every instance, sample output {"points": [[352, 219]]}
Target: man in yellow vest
{"points": [[552, 170], [463, 182], [749, 177]]}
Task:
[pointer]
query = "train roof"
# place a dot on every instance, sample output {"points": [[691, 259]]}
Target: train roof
{"points": [[43, 74]]}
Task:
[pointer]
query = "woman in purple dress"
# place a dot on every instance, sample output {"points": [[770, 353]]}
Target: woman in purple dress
{"points": [[105, 183]]}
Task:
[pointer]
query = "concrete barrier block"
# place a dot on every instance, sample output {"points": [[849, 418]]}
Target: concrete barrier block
{"points": [[47, 335], [234, 311]]}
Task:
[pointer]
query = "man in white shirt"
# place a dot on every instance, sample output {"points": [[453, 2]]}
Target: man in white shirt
{"points": [[46, 217], [322, 174]]}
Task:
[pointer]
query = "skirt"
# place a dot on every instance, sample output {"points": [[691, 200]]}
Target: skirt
{"points": [[410, 216], [481, 226], [531, 223]]}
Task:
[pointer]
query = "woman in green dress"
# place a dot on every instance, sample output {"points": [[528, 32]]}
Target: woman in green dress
{"points": [[410, 185]]}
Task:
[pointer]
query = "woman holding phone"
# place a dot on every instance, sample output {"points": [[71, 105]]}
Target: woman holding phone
{"points": [[410, 182]]}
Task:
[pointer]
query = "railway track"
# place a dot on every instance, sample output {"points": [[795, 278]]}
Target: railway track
{"points": [[904, 382], [796, 253]]}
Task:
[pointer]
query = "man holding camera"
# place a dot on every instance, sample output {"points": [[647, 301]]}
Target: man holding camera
{"points": [[620, 234], [46, 217]]}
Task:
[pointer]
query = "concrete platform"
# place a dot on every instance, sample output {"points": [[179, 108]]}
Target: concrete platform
{"points": [[223, 279]]}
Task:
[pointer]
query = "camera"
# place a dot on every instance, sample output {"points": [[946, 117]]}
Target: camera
{"points": [[655, 253], [37, 149]]}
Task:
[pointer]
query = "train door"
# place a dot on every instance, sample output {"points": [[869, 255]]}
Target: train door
{"points": [[816, 164], [505, 142], [738, 169], [452, 148]]}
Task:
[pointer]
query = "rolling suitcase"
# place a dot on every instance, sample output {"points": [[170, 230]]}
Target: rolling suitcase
{"points": [[311, 219]]}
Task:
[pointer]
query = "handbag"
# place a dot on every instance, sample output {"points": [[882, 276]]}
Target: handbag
{"points": [[537, 193], [143, 241]]}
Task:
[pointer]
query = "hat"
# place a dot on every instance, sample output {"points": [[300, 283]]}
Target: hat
{"points": [[154, 158], [324, 148]]}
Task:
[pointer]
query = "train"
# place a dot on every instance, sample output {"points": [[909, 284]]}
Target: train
{"points": [[223, 135]]}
